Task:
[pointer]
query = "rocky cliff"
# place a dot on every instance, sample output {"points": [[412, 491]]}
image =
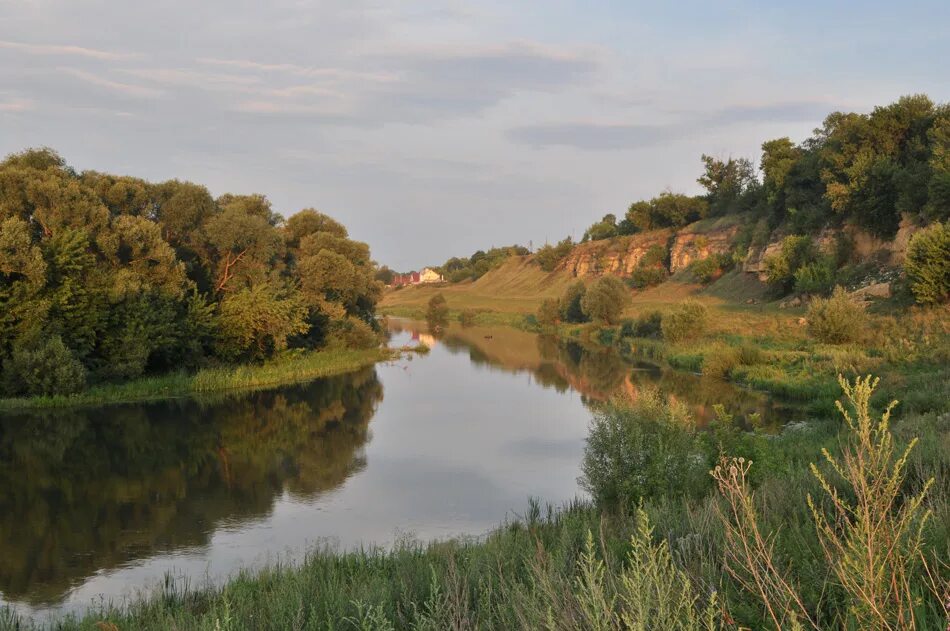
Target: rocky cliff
{"points": [[619, 256]]}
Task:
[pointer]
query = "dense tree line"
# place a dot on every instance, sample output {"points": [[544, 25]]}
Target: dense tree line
{"points": [[866, 169], [106, 277]]}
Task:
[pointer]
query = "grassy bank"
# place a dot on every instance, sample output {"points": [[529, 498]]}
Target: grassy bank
{"points": [[292, 368], [663, 565]]}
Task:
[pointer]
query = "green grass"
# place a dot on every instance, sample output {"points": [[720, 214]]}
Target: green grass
{"points": [[291, 368]]}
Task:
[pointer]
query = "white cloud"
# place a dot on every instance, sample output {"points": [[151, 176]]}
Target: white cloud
{"points": [[125, 89], [66, 50]]}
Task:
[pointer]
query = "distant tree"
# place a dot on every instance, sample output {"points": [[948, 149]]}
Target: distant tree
{"points": [[605, 300], [726, 181], [385, 275], [437, 311], [549, 313], [571, 310], [548, 256]]}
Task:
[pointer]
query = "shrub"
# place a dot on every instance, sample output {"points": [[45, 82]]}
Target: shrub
{"points": [[548, 256], [437, 311], [720, 362], [780, 268], [549, 313], [712, 267], [836, 320], [605, 300], [467, 317], [638, 450], [928, 264], [43, 368], [646, 325], [352, 333], [686, 321], [816, 278], [643, 277], [571, 310]]}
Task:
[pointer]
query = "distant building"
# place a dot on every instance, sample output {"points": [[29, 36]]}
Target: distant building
{"points": [[429, 275]]}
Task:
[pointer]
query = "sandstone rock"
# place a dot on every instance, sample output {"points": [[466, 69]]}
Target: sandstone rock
{"points": [[690, 245], [877, 290]]}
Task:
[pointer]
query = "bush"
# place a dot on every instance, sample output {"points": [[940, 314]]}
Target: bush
{"points": [[549, 313], [712, 267], [44, 368], [686, 321], [836, 320], [640, 450], [571, 310], [437, 312], [352, 333], [467, 317], [548, 256], [816, 278], [780, 268], [928, 264], [646, 325], [643, 277], [605, 300]]}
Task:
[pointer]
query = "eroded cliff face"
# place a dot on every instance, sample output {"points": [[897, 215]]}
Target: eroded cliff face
{"points": [[618, 256], [691, 245]]}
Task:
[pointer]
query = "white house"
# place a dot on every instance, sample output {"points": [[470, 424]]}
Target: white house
{"points": [[429, 275]]}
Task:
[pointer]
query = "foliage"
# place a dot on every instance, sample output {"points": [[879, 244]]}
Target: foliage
{"points": [[548, 256], [459, 269], [571, 303], [667, 210], [647, 325], [549, 313], [729, 184], [817, 277], [639, 450], [928, 264], [643, 277], [467, 317], [603, 229], [837, 319], [780, 268], [43, 368], [712, 267], [685, 321], [437, 311], [605, 300], [136, 278]]}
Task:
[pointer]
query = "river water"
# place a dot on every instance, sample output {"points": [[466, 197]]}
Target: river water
{"points": [[101, 504]]}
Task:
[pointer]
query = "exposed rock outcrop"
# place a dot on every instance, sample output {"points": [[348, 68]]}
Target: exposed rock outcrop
{"points": [[691, 245], [619, 256]]}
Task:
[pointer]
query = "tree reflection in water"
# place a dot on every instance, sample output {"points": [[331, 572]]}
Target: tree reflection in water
{"points": [[85, 491]]}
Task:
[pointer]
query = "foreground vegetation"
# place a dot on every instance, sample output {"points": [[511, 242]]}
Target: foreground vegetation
{"points": [[688, 529]]}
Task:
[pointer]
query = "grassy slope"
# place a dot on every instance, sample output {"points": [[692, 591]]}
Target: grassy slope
{"points": [[287, 370]]}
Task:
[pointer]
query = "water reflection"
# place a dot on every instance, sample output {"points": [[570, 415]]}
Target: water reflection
{"points": [[86, 491], [599, 372]]}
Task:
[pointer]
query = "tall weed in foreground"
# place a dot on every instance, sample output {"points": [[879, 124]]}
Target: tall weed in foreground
{"points": [[648, 591], [869, 531]]}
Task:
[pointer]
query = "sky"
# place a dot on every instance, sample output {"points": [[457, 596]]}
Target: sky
{"points": [[434, 129]]}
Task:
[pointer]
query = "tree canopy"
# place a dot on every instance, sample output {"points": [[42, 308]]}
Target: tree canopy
{"points": [[107, 277]]}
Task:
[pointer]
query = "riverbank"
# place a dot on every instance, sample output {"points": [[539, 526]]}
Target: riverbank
{"points": [[286, 370], [757, 346], [572, 567]]}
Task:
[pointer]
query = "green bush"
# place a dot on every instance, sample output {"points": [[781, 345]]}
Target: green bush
{"points": [[646, 325], [352, 333], [571, 310], [928, 264], [43, 368], [548, 256], [817, 277], [686, 321], [605, 300], [640, 450], [836, 320], [643, 277], [712, 267], [780, 268], [467, 317], [437, 311], [549, 313]]}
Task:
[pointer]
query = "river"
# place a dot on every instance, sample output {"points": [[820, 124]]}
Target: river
{"points": [[101, 504]]}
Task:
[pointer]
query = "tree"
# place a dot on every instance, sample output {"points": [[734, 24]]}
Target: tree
{"points": [[571, 310], [726, 181], [257, 321], [605, 300], [437, 311], [549, 313], [928, 264]]}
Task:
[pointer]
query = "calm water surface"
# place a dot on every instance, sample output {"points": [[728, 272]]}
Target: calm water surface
{"points": [[100, 504]]}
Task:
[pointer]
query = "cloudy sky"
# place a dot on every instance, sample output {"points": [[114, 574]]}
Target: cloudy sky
{"points": [[433, 129]]}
